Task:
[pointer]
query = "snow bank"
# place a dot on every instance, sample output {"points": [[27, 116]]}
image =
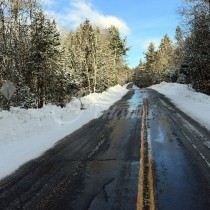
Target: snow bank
{"points": [[26, 134], [194, 104]]}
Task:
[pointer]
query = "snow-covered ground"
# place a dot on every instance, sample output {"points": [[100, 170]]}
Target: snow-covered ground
{"points": [[194, 104], [26, 134]]}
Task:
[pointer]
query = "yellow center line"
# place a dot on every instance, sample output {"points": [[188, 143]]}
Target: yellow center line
{"points": [[140, 197], [145, 171]]}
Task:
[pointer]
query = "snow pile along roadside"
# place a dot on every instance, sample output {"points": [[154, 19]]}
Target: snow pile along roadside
{"points": [[26, 134], [194, 104]]}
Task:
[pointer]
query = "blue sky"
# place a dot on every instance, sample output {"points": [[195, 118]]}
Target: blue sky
{"points": [[142, 21]]}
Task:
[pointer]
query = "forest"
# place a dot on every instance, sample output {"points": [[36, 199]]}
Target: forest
{"points": [[187, 59], [48, 65]]}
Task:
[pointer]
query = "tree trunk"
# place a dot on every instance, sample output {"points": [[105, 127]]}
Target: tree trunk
{"points": [[88, 77], [40, 88], [95, 74]]}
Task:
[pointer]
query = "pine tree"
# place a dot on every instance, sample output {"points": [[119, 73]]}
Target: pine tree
{"points": [[165, 59], [46, 72], [139, 75], [196, 49], [178, 55], [200, 55], [43, 54], [119, 50], [14, 50], [150, 66], [179, 37]]}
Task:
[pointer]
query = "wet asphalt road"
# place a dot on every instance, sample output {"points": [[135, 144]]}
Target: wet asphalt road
{"points": [[97, 167], [94, 168], [182, 175]]}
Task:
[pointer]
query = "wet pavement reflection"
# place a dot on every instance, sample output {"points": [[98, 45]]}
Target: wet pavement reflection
{"points": [[178, 181]]}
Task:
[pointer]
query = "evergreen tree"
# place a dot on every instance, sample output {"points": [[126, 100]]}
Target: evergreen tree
{"points": [[14, 50], [119, 50], [139, 75], [43, 70], [43, 54], [165, 58], [178, 55], [117, 44], [179, 37], [150, 56], [199, 55], [196, 49]]}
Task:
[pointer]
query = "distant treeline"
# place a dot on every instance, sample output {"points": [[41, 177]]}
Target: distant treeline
{"points": [[188, 59]]}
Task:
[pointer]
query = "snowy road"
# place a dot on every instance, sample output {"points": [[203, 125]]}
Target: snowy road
{"points": [[97, 166]]}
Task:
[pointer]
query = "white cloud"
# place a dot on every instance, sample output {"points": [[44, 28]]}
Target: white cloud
{"points": [[84, 10], [80, 10]]}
